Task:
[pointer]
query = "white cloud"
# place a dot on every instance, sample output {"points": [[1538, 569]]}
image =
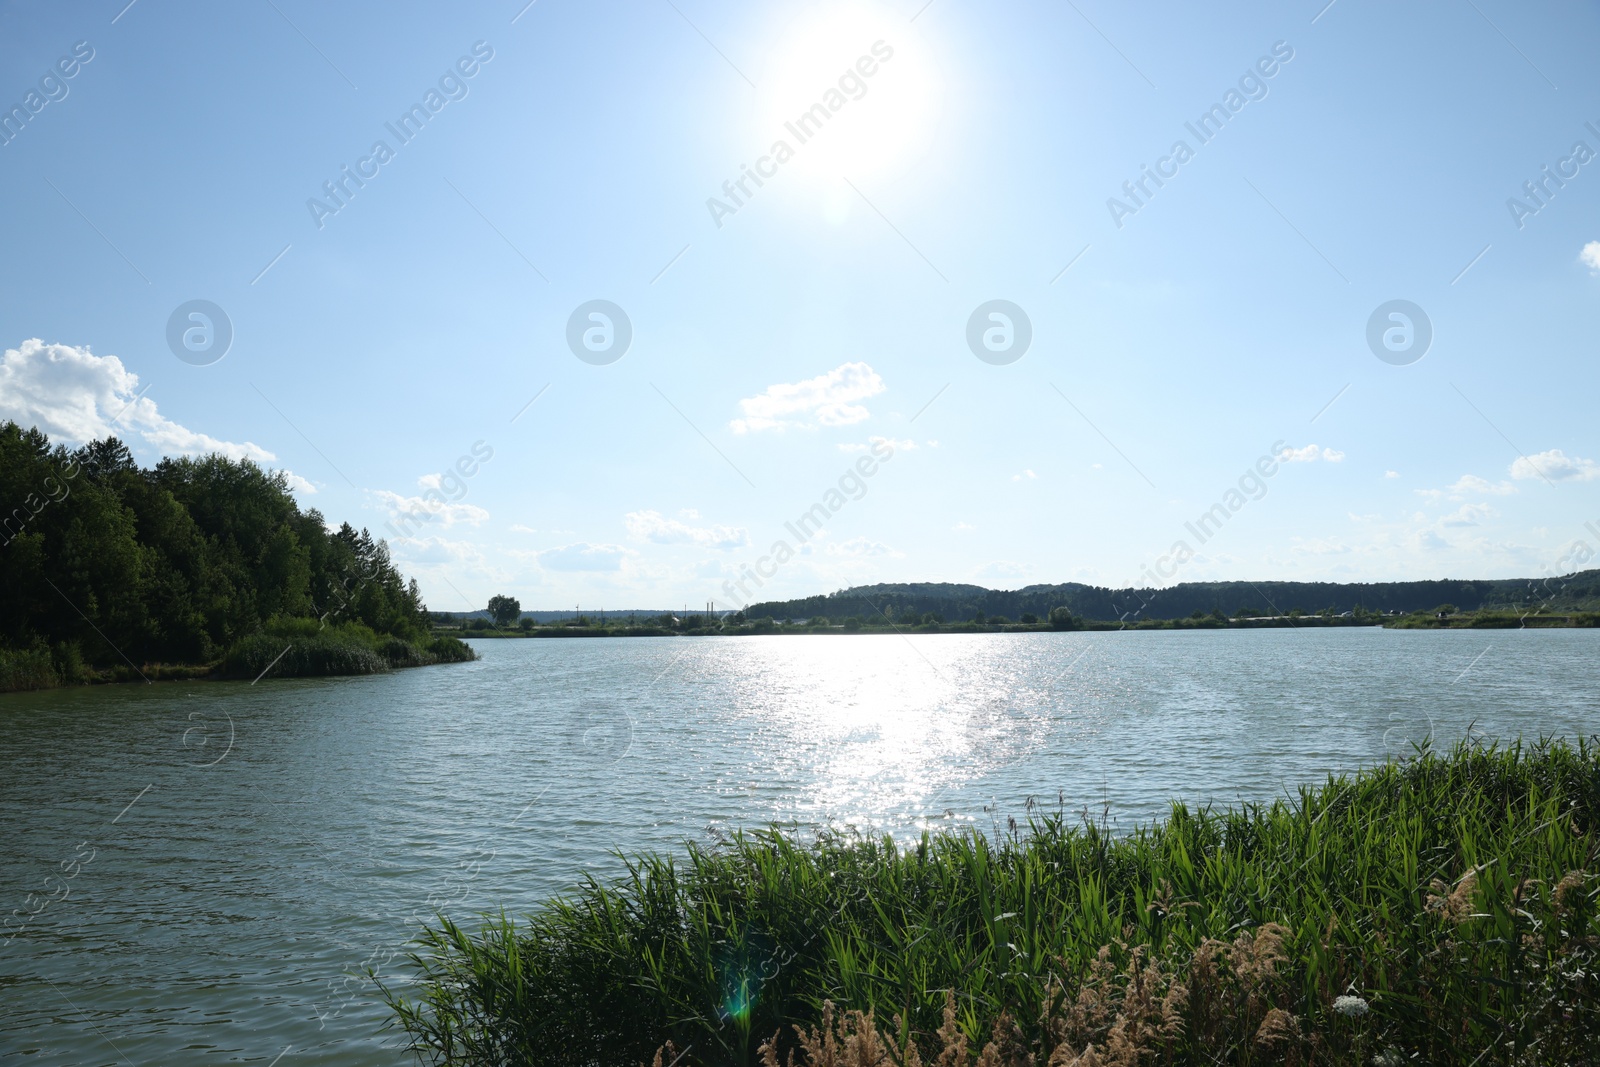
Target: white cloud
{"points": [[831, 399], [1025, 474], [1590, 255], [72, 394], [425, 509], [1430, 540], [583, 557], [297, 483], [963, 526], [1468, 485], [1471, 483], [434, 550], [894, 445], [861, 546], [1556, 466], [1000, 573], [1310, 454], [657, 528], [1321, 546], [1469, 515], [1391, 474]]}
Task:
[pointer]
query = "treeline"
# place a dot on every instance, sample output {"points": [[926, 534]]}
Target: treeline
{"points": [[110, 570], [954, 602]]}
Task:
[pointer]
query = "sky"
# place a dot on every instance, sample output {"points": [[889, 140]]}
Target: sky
{"points": [[1019, 293]]}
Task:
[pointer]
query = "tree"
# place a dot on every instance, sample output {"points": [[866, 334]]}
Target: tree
{"points": [[504, 609], [1029, 619], [1061, 619]]}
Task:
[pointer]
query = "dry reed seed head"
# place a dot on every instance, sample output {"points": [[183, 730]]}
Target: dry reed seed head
{"points": [[1458, 905], [1278, 1029], [1173, 1005], [953, 1040], [1122, 1048], [1090, 1058], [1008, 1047], [1568, 890]]}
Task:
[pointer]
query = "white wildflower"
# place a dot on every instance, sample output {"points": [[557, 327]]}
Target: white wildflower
{"points": [[1352, 1006]]}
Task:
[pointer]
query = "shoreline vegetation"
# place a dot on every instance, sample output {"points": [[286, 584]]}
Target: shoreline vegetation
{"points": [[1440, 909], [736, 624], [192, 569]]}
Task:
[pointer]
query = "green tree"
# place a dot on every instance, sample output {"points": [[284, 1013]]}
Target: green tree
{"points": [[1061, 618], [504, 610]]}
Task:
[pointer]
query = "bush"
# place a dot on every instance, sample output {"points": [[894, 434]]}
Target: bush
{"points": [[1062, 619], [30, 668], [400, 653], [1029, 619], [329, 653], [67, 659], [450, 650]]}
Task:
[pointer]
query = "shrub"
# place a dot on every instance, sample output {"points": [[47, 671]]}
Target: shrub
{"points": [[450, 650], [325, 654], [67, 659], [30, 668], [400, 653]]}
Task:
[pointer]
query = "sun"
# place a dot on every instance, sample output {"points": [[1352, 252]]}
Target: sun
{"points": [[851, 90]]}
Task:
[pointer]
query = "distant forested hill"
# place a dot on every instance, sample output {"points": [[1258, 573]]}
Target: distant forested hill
{"points": [[106, 566], [958, 602]]}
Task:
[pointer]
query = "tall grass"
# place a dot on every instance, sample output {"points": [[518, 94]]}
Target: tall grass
{"points": [[303, 648], [1447, 892]]}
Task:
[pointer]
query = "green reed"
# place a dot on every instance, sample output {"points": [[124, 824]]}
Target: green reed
{"points": [[1446, 890]]}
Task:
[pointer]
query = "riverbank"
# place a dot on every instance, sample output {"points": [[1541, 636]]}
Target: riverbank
{"points": [[288, 648], [1495, 620], [1423, 911], [726, 626]]}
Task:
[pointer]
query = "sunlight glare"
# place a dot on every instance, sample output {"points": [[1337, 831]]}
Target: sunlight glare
{"points": [[850, 88]]}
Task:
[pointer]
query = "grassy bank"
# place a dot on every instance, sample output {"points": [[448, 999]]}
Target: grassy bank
{"points": [[292, 648], [304, 648], [727, 627], [1496, 620], [1432, 911]]}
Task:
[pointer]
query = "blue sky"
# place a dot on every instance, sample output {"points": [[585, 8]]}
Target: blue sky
{"points": [[775, 346]]}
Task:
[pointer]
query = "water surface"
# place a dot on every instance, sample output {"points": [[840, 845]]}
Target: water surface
{"points": [[283, 836]]}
